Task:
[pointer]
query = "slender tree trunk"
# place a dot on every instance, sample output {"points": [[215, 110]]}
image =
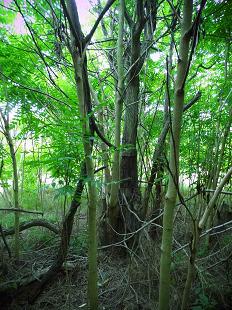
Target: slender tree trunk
{"points": [[83, 94], [159, 149], [166, 247], [92, 232], [191, 267], [113, 205], [16, 193], [155, 160], [220, 149], [213, 200], [104, 237], [195, 242], [15, 182], [158, 153]]}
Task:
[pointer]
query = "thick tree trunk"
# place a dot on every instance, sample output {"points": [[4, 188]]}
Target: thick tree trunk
{"points": [[129, 168], [129, 190]]}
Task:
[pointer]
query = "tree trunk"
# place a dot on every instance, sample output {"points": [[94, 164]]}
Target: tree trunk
{"points": [[129, 190], [83, 94], [113, 204], [166, 247], [92, 235], [9, 140], [195, 242], [157, 164], [16, 193]]}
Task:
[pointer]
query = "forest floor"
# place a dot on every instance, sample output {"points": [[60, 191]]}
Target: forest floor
{"points": [[124, 282]]}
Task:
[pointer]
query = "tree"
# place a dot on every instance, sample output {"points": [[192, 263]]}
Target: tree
{"points": [[5, 127], [173, 184], [104, 107]]}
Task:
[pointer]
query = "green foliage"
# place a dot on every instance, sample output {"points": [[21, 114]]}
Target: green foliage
{"points": [[64, 191], [80, 243], [203, 302], [37, 238], [38, 94]]}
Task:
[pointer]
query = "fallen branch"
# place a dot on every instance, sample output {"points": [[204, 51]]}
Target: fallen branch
{"points": [[22, 287], [212, 231]]}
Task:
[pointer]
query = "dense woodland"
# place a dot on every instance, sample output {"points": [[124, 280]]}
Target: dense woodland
{"points": [[115, 154]]}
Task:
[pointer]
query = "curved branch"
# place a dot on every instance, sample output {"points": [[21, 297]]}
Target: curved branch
{"points": [[100, 135], [34, 223]]}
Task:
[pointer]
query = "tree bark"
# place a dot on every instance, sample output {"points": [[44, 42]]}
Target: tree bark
{"points": [[166, 247], [113, 204], [83, 94], [129, 189]]}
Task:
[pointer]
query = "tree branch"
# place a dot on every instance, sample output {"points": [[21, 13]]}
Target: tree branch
{"points": [[34, 223], [91, 33], [21, 210]]}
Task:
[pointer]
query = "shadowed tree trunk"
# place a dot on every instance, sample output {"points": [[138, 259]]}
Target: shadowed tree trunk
{"points": [[130, 196], [129, 168]]}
